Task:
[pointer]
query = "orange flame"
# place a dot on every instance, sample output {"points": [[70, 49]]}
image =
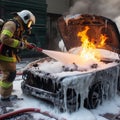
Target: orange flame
{"points": [[102, 39], [89, 51]]}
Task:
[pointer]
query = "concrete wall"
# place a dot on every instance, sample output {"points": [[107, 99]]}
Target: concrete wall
{"points": [[58, 6]]}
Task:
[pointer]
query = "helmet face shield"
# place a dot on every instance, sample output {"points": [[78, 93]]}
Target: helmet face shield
{"points": [[29, 24], [28, 27]]}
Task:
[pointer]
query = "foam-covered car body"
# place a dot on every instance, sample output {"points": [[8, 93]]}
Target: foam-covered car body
{"points": [[70, 87]]}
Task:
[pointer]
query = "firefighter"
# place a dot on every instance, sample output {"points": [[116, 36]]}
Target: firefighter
{"points": [[12, 40]]}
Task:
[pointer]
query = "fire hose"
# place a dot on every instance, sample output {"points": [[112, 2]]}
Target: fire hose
{"points": [[36, 110]]}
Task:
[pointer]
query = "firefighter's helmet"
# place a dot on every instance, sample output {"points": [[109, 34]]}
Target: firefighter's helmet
{"points": [[27, 17]]}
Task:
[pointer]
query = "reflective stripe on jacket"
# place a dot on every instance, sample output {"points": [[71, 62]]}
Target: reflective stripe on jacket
{"points": [[5, 84], [9, 49]]}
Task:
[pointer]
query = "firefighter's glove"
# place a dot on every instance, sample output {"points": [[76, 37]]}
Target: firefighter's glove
{"points": [[22, 45]]}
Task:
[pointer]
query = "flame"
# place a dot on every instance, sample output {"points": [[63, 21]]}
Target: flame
{"points": [[102, 39], [89, 51]]}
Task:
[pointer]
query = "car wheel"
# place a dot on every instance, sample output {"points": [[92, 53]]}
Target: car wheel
{"points": [[73, 100], [94, 96]]}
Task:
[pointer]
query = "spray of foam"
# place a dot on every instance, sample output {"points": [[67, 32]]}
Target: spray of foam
{"points": [[108, 8]]}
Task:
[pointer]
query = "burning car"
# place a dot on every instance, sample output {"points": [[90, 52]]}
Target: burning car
{"points": [[90, 80]]}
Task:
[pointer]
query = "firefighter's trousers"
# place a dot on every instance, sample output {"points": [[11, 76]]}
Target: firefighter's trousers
{"points": [[8, 70]]}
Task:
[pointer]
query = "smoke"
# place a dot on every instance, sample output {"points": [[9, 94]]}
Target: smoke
{"points": [[79, 7], [107, 8]]}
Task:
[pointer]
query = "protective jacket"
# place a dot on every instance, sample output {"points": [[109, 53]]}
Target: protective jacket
{"points": [[10, 37]]}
